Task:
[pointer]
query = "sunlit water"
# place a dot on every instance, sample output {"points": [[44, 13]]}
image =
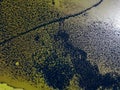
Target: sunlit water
{"points": [[98, 33]]}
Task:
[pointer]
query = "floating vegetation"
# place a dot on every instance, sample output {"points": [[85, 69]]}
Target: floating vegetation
{"points": [[44, 59]]}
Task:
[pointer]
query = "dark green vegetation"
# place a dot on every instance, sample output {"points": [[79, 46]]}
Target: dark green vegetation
{"points": [[58, 73]]}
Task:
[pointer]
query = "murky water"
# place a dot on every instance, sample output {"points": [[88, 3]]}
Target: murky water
{"points": [[95, 31]]}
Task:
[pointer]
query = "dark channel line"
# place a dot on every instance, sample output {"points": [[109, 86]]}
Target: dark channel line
{"points": [[51, 22]]}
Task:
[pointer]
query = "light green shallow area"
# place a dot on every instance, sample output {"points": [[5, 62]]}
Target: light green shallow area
{"points": [[6, 87]]}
